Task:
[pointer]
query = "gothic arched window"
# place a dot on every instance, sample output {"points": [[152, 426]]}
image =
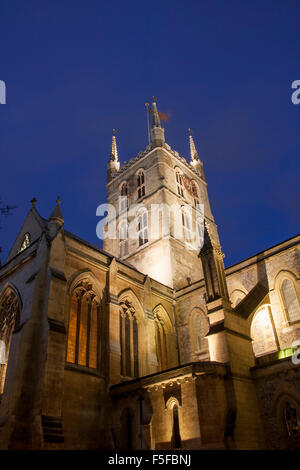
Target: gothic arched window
{"points": [[128, 340], [187, 224], [290, 300], [25, 242], [123, 235], [179, 182], [161, 342], [263, 333], [176, 439], [141, 183], [199, 232], [124, 197], [194, 193], [143, 228], [9, 319], [83, 331], [124, 189]]}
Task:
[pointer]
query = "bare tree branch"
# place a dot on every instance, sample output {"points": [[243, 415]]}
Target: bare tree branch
{"points": [[5, 211]]}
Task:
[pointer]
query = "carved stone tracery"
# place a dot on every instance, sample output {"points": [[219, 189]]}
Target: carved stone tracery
{"points": [[9, 311]]}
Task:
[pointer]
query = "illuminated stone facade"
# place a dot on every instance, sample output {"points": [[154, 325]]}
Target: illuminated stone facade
{"points": [[145, 344]]}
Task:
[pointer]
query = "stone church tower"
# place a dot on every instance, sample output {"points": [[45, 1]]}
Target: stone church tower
{"points": [[148, 344], [159, 177]]}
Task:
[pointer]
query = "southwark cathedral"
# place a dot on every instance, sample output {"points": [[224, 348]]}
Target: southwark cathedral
{"points": [[146, 344]]}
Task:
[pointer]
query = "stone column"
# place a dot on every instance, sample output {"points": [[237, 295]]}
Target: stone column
{"points": [[151, 360], [52, 392], [113, 320]]}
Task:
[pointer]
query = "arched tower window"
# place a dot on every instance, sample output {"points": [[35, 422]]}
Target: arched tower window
{"points": [[26, 240], [143, 228], [9, 319], [263, 333], [194, 192], [290, 300], [199, 232], [141, 183], [187, 224], [123, 234], [128, 340], [124, 189], [161, 342], [83, 331], [176, 439], [124, 197], [179, 182]]}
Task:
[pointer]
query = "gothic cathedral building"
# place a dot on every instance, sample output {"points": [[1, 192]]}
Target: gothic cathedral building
{"points": [[145, 344]]}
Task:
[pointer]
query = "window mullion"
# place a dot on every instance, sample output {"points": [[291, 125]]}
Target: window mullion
{"points": [[88, 333], [78, 327]]}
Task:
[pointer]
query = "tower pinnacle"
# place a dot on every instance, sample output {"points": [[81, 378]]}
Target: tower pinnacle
{"points": [[157, 133], [56, 220], [195, 160], [114, 151], [113, 164], [155, 115], [213, 268], [56, 214], [193, 150]]}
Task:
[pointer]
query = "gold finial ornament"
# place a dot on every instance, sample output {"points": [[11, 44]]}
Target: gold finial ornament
{"points": [[33, 201], [190, 131], [58, 200], [154, 99], [114, 131]]}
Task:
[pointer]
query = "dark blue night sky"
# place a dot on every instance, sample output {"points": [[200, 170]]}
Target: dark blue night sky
{"points": [[74, 70]]}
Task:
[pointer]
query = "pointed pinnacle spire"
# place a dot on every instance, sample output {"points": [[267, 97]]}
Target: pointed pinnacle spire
{"points": [[207, 241], [155, 115], [195, 160], [56, 214], [113, 164], [193, 150], [114, 150], [213, 268], [157, 133]]}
